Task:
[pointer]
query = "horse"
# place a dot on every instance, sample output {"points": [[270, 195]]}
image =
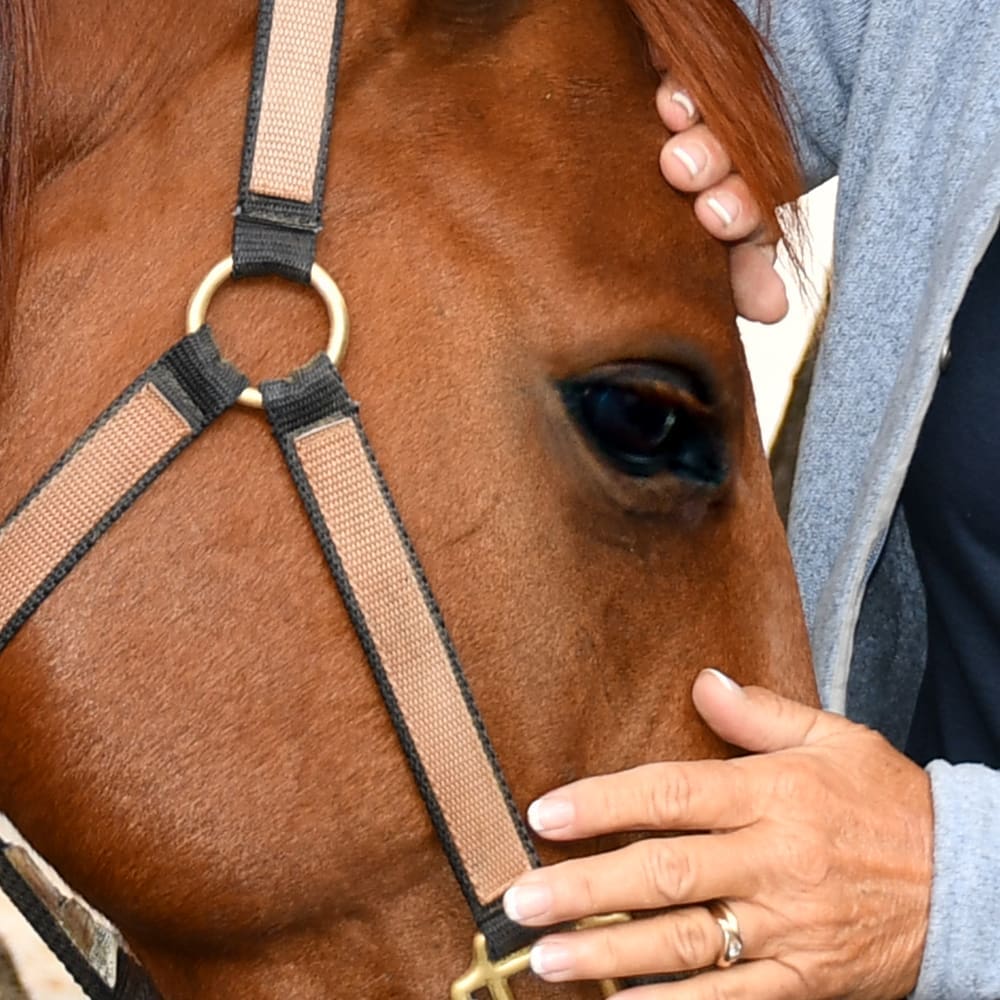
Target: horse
{"points": [[545, 353]]}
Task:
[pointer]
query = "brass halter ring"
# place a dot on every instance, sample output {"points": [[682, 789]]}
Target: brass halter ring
{"points": [[326, 287]]}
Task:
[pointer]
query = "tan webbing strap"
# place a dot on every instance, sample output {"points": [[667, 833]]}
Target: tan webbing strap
{"points": [[294, 99], [289, 117], [412, 653], [408, 647], [75, 499], [106, 470]]}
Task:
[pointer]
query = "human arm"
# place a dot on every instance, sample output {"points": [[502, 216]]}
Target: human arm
{"points": [[960, 959], [816, 46]]}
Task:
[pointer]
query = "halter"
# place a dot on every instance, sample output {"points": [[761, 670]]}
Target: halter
{"points": [[370, 556]]}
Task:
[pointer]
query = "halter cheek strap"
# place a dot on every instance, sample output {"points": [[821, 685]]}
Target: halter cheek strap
{"points": [[95, 482], [402, 632]]}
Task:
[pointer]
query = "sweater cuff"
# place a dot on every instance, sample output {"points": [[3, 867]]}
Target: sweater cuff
{"points": [[961, 957]]}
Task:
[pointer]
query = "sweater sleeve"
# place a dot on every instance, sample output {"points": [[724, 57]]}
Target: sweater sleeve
{"points": [[960, 958], [815, 49]]}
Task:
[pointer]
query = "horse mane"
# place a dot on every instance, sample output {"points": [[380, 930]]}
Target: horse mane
{"points": [[722, 60], [17, 39]]}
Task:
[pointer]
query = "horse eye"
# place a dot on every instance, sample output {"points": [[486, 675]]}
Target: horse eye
{"points": [[645, 420]]}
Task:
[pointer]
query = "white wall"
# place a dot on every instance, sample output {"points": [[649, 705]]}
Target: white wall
{"points": [[774, 352]]}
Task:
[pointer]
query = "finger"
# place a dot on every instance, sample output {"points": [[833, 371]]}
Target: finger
{"points": [[680, 941], [758, 290], [675, 105], [764, 980], [647, 875], [757, 719], [729, 211], [694, 160], [696, 795]]}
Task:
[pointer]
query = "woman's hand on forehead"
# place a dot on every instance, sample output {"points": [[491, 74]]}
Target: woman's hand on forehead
{"points": [[694, 161]]}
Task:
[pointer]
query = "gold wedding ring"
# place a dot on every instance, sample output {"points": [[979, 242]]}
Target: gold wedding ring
{"points": [[731, 950]]}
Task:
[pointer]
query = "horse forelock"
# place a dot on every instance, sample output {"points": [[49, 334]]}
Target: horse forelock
{"points": [[16, 60]]}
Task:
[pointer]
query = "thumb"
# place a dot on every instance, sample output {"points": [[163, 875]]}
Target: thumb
{"points": [[757, 288], [757, 719]]}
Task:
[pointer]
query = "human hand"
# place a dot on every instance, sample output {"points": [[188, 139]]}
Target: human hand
{"points": [[694, 161], [820, 843]]}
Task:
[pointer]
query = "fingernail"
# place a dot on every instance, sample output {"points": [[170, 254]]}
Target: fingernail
{"points": [[548, 813], [549, 959], [726, 681], [680, 97], [725, 206], [693, 157], [526, 902]]}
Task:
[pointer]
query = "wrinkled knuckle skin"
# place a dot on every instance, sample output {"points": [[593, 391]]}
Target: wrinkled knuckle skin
{"points": [[607, 808], [671, 799], [669, 874], [712, 991], [808, 863], [789, 785], [689, 941]]}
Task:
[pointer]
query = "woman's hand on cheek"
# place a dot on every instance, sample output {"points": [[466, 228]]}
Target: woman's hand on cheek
{"points": [[820, 844]]}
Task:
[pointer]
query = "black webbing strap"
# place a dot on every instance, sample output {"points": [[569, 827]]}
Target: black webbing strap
{"points": [[45, 925], [283, 172], [130, 982], [316, 397], [199, 386]]}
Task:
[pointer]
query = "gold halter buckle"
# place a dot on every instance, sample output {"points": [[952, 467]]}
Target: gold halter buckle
{"points": [[495, 976]]}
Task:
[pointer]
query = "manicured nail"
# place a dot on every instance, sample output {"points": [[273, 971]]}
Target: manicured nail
{"points": [[693, 158], [680, 97], [526, 902], [725, 207], [724, 680], [549, 813], [549, 959]]}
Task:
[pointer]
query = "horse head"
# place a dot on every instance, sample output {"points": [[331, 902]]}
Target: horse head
{"points": [[545, 352]]}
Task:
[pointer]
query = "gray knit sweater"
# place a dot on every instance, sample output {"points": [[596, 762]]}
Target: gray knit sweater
{"points": [[902, 99]]}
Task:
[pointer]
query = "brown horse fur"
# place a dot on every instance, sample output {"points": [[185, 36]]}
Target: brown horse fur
{"points": [[189, 731]]}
